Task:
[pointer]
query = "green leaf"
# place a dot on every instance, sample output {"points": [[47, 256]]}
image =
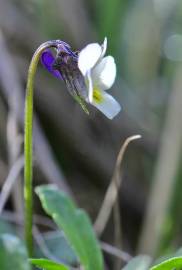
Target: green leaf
{"points": [[170, 264], [58, 245], [6, 227], [141, 262], [75, 224], [48, 265], [13, 254], [177, 253]]}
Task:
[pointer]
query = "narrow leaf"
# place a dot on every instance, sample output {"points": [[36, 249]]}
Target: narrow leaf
{"points": [[138, 263], [170, 264], [58, 245], [48, 265], [13, 253], [76, 225]]}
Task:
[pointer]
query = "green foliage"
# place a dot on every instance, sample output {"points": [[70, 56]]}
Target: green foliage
{"points": [[13, 254], [48, 265], [58, 245], [170, 264], [75, 224], [138, 263], [6, 228]]}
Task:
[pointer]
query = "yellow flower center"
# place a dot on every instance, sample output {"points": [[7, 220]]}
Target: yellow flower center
{"points": [[97, 95]]}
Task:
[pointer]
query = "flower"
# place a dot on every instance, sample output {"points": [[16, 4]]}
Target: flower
{"points": [[87, 74], [99, 73]]}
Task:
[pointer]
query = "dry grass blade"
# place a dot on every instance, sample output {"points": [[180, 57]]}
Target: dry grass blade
{"points": [[10, 181], [124, 256], [14, 142], [112, 191], [17, 219]]}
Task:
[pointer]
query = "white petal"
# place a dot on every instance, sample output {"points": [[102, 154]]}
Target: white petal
{"points": [[109, 106], [88, 57], [89, 84], [104, 47], [104, 73]]}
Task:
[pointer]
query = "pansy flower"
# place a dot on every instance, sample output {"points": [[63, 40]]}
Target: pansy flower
{"points": [[87, 74]]}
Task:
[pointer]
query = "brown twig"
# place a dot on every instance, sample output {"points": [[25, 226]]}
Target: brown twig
{"points": [[112, 191]]}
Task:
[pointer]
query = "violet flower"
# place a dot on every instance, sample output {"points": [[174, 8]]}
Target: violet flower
{"points": [[87, 74]]}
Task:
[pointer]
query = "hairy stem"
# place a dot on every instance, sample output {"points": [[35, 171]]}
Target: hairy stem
{"points": [[28, 151]]}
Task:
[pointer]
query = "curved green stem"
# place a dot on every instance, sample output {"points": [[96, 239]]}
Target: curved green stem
{"points": [[28, 215]]}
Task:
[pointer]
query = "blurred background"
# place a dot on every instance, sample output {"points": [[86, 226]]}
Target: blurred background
{"points": [[79, 152]]}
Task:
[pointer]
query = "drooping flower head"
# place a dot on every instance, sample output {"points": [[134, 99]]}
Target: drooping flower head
{"points": [[87, 74]]}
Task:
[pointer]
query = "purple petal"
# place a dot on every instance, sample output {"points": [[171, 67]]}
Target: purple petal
{"points": [[47, 60]]}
